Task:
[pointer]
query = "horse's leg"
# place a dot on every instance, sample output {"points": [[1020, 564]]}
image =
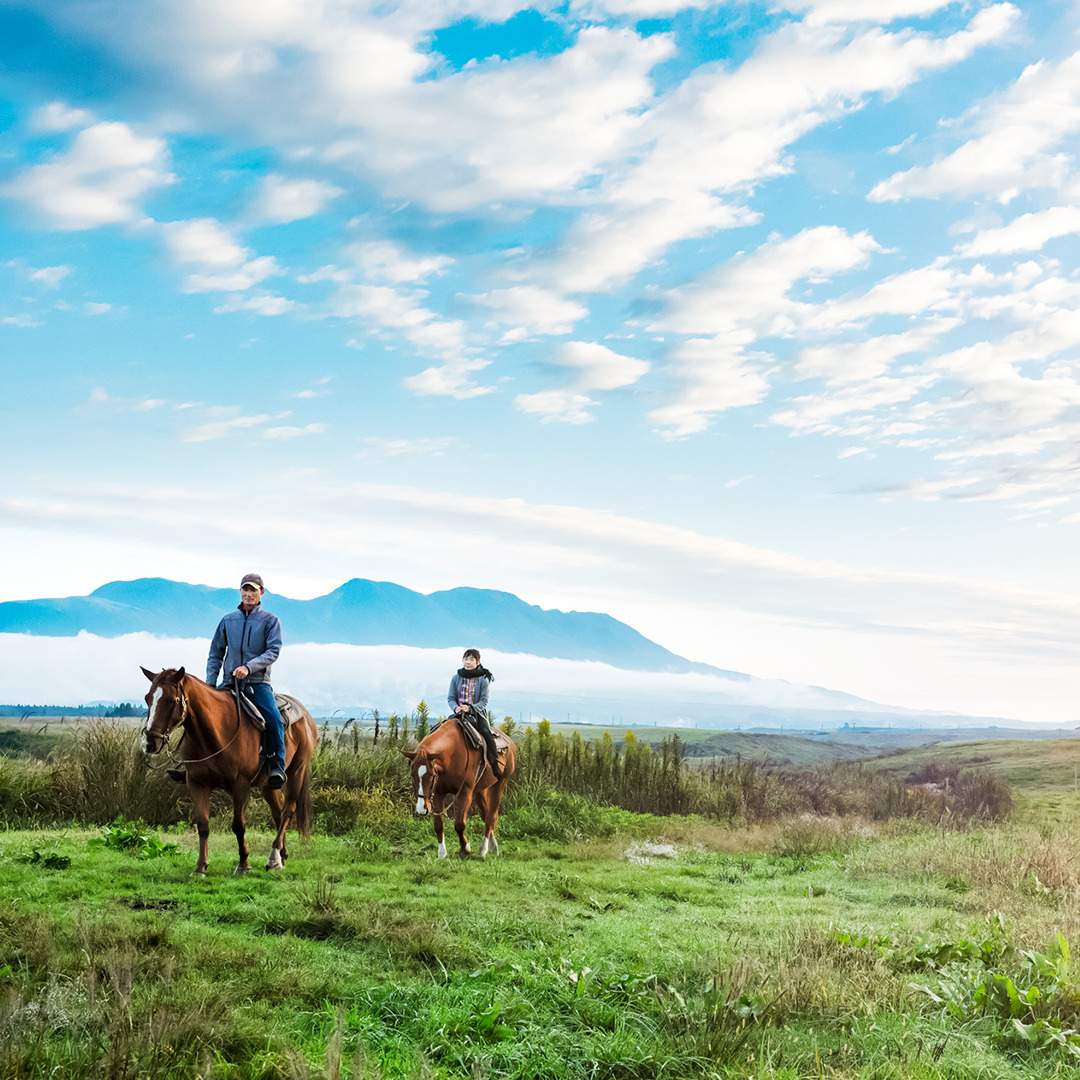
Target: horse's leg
{"points": [[241, 792], [438, 805], [461, 813], [293, 786], [200, 804], [494, 802], [275, 801], [480, 797]]}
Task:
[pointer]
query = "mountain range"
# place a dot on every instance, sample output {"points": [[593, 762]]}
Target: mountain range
{"points": [[360, 612], [534, 643]]}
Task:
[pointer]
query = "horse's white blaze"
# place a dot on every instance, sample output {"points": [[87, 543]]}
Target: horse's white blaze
{"points": [[442, 849], [420, 808], [155, 701]]}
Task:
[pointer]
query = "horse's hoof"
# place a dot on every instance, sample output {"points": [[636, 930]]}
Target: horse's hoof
{"points": [[442, 852], [241, 870], [198, 873]]}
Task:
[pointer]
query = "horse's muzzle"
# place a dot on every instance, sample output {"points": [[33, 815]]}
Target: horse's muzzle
{"points": [[421, 807], [154, 743]]}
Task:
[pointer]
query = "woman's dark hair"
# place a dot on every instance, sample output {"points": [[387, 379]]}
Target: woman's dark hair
{"points": [[474, 653]]}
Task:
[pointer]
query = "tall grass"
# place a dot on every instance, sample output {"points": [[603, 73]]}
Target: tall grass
{"points": [[101, 772]]}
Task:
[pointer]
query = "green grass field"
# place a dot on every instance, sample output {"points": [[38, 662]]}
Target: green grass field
{"points": [[666, 948], [599, 944]]}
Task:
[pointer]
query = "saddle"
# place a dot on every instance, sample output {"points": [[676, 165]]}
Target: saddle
{"points": [[286, 706], [476, 740]]}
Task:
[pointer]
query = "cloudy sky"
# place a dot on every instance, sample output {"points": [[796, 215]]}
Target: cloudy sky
{"points": [[754, 325]]}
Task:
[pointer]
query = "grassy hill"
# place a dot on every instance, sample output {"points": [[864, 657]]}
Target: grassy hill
{"points": [[1029, 765]]}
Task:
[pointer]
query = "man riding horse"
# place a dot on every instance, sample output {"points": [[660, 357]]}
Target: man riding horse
{"points": [[468, 697], [248, 641]]}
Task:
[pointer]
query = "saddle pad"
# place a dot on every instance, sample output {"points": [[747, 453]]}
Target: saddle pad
{"points": [[472, 736], [476, 740], [286, 706], [288, 709]]}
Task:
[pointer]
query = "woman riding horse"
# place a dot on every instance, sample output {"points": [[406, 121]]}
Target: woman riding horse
{"points": [[444, 766], [468, 696]]}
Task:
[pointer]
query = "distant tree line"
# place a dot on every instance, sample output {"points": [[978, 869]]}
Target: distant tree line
{"points": [[124, 709]]}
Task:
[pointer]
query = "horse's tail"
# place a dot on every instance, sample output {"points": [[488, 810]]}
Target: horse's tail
{"points": [[303, 805]]}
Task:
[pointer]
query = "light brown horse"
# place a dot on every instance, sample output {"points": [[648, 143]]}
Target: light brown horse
{"points": [[444, 765], [221, 750]]}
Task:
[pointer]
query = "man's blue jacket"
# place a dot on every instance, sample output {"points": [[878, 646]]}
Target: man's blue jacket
{"points": [[253, 640]]}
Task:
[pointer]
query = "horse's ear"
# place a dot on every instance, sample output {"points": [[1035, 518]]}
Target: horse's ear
{"points": [[410, 754], [149, 674], [180, 674]]}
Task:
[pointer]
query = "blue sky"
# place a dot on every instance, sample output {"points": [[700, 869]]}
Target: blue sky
{"points": [[754, 325]]}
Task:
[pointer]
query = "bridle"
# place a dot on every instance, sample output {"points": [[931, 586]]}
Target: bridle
{"points": [[428, 781], [162, 740]]}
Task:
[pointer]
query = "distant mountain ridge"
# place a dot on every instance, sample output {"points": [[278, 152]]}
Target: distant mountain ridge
{"points": [[360, 612]]}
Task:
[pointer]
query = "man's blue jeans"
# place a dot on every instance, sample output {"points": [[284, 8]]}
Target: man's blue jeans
{"points": [[273, 738]]}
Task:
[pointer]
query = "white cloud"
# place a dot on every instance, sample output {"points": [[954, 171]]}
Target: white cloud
{"points": [[203, 240], [98, 181], [848, 11], [717, 377], [236, 279], [598, 367], [281, 200], [50, 276], [535, 310], [56, 116], [952, 642], [752, 291], [1029, 232], [701, 149], [558, 403], [595, 368], [862, 361], [745, 299], [92, 308], [261, 303], [381, 260], [224, 264], [638, 9], [387, 677], [283, 433], [26, 322], [425, 446], [402, 311], [452, 379], [1015, 148], [219, 429]]}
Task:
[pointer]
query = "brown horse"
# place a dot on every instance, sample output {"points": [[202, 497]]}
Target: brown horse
{"points": [[445, 765], [221, 750]]}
